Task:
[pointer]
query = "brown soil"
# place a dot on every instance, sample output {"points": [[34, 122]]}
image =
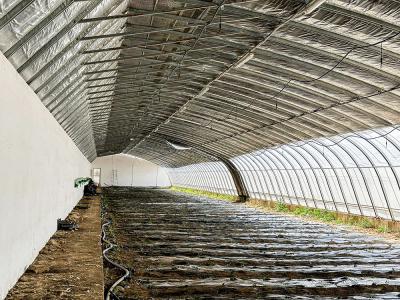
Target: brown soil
{"points": [[70, 266]]}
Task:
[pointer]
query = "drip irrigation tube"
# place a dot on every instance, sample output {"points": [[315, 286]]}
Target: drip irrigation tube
{"points": [[105, 251]]}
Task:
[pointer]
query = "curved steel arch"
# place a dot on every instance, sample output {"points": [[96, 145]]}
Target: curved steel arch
{"points": [[259, 77], [268, 174]]}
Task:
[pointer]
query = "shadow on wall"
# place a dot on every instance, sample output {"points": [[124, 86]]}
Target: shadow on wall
{"points": [[127, 170]]}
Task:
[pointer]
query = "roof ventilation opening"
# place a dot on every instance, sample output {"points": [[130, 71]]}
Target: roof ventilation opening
{"points": [[178, 146]]}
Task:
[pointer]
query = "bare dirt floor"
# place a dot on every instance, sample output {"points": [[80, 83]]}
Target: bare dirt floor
{"points": [[70, 266], [179, 246]]}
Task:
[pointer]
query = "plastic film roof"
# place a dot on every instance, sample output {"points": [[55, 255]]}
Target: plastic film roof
{"points": [[222, 77], [356, 173]]}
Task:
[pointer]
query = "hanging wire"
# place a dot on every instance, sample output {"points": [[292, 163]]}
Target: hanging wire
{"points": [[317, 78], [193, 46], [381, 92], [287, 84], [315, 142]]}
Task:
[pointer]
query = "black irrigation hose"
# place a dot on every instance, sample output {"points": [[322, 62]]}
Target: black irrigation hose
{"points": [[105, 251]]}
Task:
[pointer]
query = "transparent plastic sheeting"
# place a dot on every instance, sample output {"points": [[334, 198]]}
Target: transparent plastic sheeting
{"points": [[354, 173], [43, 41], [210, 176]]}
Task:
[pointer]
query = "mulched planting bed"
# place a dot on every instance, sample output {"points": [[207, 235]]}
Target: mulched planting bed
{"points": [[180, 246]]}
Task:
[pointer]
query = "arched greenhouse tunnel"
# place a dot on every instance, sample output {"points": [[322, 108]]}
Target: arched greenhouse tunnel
{"points": [[200, 149]]}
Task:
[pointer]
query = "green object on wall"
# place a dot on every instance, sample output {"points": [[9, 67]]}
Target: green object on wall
{"points": [[81, 181]]}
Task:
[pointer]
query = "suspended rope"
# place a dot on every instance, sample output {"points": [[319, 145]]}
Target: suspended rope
{"points": [[314, 79], [354, 135]]}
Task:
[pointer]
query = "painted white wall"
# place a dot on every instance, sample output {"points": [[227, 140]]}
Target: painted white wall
{"points": [[38, 165], [131, 171]]}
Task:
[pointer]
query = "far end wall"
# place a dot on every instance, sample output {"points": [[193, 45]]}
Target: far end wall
{"points": [[126, 170]]}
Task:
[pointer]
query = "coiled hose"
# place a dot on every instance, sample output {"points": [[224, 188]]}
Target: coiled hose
{"points": [[105, 251]]}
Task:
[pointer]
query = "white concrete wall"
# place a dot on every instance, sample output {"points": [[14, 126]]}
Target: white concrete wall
{"points": [[38, 165], [131, 171]]}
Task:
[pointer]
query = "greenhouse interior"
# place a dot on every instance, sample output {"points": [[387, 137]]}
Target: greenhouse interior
{"points": [[200, 149]]}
